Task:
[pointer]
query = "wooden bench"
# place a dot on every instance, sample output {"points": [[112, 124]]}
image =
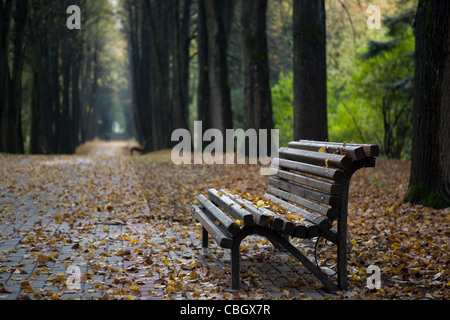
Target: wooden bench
{"points": [[312, 182]]}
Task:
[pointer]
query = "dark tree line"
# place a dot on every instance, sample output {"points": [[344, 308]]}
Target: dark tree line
{"points": [[159, 34], [62, 69], [60, 75]]}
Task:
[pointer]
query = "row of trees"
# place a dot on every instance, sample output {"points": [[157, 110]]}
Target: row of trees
{"points": [[159, 42], [54, 82], [159, 33], [59, 85]]}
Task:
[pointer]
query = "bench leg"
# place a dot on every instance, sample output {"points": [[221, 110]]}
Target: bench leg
{"points": [[235, 278], [204, 238], [342, 241]]}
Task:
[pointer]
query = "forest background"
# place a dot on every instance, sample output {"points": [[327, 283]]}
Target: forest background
{"points": [[81, 82]]}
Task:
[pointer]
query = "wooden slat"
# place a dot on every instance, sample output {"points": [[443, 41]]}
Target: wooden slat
{"points": [[313, 231], [323, 210], [370, 150], [259, 217], [332, 188], [301, 231], [356, 152], [306, 231], [322, 223], [222, 239], [287, 226], [306, 193], [277, 223], [328, 173], [215, 212], [316, 158], [231, 207]]}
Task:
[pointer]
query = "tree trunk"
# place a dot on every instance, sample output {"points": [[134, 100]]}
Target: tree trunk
{"points": [[180, 63], [11, 118], [203, 74], [5, 25], [255, 64], [310, 71], [219, 98], [430, 157]]}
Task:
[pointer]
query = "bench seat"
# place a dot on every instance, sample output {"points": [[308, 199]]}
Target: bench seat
{"points": [[311, 184]]}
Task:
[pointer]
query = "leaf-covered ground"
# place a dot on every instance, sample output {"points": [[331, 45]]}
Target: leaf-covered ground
{"points": [[409, 243], [126, 223]]}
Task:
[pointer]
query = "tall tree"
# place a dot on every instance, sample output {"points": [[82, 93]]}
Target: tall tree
{"points": [[255, 65], [310, 70], [180, 58], [218, 17], [159, 41], [203, 73], [430, 158], [5, 30], [11, 139]]}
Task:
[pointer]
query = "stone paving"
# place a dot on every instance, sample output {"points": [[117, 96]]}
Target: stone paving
{"points": [[82, 220]]}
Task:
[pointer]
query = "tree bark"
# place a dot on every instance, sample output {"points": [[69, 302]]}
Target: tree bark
{"points": [[255, 64], [180, 55], [430, 157], [203, 74], [219, 98], [5, 25], [310, 70], [11, 118]]}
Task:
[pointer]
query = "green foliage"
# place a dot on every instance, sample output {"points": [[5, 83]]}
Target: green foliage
{"points": [[282, 105], [369, 94], [374, 103]]}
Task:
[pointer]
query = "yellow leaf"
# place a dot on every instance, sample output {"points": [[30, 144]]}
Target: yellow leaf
{"points": [[60, 277], [261, 203], [170, 289], [240, 223], [37, 295], [26, 286], [326, 162], [42, 258], [135, 287], [323, 149]]}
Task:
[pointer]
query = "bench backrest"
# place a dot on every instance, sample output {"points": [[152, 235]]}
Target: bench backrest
{"points": [[315, 177]]}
